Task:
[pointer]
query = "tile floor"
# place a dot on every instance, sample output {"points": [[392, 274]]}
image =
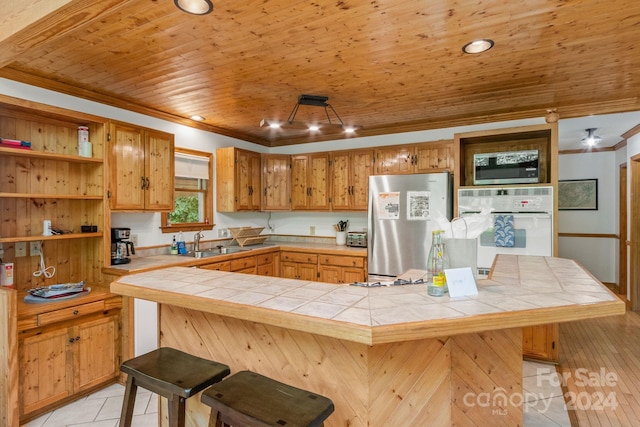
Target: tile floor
{"points": [[543, 407]]}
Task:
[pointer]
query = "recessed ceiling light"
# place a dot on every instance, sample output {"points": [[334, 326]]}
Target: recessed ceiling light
{"points": [[197, 118], [478, 46], [195, 7], [314, 128]]}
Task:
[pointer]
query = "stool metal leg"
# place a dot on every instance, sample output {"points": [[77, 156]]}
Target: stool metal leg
{"points": [[127, 404]]}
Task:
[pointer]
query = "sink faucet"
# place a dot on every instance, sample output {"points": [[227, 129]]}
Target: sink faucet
{"points": [[196, 241]]}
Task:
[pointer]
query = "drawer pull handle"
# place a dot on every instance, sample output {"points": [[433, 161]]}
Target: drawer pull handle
{"points": [[72, 340], [75, 312]]}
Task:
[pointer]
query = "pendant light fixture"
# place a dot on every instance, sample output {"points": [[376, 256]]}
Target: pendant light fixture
{"points": [[314, 101], [194, 7], [591, 139]]}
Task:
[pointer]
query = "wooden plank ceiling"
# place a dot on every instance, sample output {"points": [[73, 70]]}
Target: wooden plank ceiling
{"points": [[386, 65]]}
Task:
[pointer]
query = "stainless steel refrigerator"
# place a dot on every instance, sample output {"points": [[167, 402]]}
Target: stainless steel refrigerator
{"points": [[402, 213]]}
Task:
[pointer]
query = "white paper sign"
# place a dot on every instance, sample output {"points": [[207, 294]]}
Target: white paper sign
{"points": [[461, 282]]}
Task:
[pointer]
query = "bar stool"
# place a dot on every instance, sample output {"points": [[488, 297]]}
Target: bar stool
{"points": [[169, 373], [247, 399]]}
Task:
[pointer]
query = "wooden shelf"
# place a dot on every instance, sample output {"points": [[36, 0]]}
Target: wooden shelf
{"points": [[50, 196], [54, 237], [17, 152]]}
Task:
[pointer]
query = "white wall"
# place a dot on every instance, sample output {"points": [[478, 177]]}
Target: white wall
{"points": [[598, 255]]}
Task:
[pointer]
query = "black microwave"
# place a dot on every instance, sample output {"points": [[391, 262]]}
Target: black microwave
{"points": [[506, 167]]}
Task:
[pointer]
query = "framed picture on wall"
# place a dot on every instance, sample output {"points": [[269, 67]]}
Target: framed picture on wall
{"points": [[578, 194]]}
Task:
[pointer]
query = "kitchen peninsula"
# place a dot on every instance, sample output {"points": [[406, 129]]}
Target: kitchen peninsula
{"points": [[384, 355]]}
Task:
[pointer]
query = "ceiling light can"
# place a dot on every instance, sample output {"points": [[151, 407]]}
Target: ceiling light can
{"points": [[478, 46], [195, 7]]}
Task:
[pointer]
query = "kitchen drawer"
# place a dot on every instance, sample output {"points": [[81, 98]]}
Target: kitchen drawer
{"points": [[299, 257], [220, 266], [265, 259], [343, 261], [70, 313], [243, 263], [265, 270]]}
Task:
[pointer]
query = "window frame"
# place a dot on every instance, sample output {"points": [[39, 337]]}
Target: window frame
{"points": [[208, 204]]}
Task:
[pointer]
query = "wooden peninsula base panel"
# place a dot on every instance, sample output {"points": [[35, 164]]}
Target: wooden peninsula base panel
{"points": [[469, 379]]}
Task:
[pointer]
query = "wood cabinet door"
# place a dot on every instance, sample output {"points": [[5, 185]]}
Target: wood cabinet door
{"points": [[340, 181], [330, 274], [351, 275], [248, 189], [289, 270], [541, 342], [308, 272], [276, 178], [361, 169], [434, 157], [127, 171], [95, 352], [44, 377], [299, 184], [319, 181], [159, 171], [394, 160]]}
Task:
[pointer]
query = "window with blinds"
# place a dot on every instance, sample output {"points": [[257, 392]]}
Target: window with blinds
{"points": [[193, 204]]}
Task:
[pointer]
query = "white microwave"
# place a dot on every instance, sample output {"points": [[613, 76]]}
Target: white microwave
{"points": [[506, 167]]}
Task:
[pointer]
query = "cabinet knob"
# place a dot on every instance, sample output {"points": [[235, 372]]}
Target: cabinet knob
{"points": [[76, 312]]}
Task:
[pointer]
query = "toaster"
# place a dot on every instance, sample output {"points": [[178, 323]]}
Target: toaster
{"points": [[357, 239]]}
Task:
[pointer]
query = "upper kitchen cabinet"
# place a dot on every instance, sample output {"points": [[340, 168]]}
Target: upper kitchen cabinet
{"points": [[50, 181], [543, 138], [350, 170], [310, 182], [142, 169], [238, 180], [425, 157], [276, 180]]}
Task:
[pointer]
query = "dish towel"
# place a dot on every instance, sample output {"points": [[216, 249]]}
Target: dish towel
{"points": [[504, 233]]}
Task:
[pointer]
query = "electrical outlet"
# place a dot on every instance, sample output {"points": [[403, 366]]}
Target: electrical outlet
{"points": [[220, 232], [35, 248], [134, 239], [312, 230], [21, 249]]}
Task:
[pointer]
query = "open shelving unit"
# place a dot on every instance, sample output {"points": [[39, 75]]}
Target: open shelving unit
{"points": [[52, 182]]}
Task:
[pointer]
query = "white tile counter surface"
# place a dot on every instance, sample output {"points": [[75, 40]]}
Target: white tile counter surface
{"points": [[522, 291]]}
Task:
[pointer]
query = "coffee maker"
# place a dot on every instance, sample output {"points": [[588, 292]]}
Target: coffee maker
{"points": [[120, 245]]}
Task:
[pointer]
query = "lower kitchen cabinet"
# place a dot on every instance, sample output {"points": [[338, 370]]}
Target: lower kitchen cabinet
{"points": [[244, 265], [219, 266], [341, 269], [266, 265], [68, 358], [299, 265], [541, 342]]}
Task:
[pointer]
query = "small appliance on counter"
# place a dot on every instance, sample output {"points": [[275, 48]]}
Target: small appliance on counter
{"points": [[120, 246], [357, 239]]}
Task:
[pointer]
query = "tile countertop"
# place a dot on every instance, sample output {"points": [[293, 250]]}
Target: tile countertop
{"points": [[522, 291], [154, 262]]}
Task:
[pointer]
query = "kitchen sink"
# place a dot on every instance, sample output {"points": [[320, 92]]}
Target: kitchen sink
{"points": [[213, 252]]}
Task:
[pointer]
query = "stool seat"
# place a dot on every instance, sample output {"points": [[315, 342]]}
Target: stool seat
{"points": [[249, 399], [169, 373]]}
